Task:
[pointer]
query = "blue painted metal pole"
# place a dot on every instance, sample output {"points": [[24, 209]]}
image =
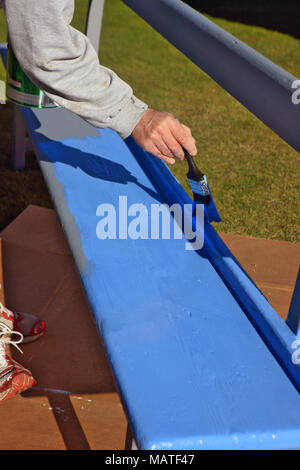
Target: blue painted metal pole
{"points": [[94, 22], [261, 86], [293, 318]]}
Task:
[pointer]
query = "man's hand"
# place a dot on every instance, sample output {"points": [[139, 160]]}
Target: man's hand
{"points": [[162, 135]]}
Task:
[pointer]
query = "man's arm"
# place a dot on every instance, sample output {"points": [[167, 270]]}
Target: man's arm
{"points": [[62, 62]]}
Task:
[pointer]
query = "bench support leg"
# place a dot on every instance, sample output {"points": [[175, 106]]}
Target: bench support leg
{"points": [[19, 143], [130, 443]]}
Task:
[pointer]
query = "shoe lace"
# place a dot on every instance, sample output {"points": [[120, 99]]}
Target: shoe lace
{"points": [[4, 309], [6, 333], [5, 337]]}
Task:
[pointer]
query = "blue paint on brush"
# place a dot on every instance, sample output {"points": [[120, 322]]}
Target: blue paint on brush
{"points": [[210, 209], [201, 190]]}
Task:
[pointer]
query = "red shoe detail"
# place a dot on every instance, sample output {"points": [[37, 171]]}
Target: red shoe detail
{"points": [[7, 315], [18, 317], [18, 379], [38, 328]]}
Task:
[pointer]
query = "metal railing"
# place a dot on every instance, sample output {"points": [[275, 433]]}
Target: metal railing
{"points": [[261, 86]]}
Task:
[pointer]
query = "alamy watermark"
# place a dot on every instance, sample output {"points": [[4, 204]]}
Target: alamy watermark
{"points": [[159, 221], [296, 94], [296, 354]]}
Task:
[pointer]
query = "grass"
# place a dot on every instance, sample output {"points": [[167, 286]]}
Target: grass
{"points": [[253, 173]]}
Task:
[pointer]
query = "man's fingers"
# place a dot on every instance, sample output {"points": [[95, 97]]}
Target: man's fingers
{"points": [[155, 151], [190, 143], [166, 144], [184, 136], [162, 146], [173, 145], [161, 134], [168, 160]]}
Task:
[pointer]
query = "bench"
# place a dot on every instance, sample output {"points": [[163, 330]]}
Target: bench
{"points": [[200, 358]]}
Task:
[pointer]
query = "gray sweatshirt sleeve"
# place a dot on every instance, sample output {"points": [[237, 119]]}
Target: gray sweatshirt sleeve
{"points": [[62, 62]]}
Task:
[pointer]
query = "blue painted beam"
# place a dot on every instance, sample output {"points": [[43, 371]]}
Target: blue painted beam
{"points": [[293, 318], [191, 370], [165, 316], [260, 85]]}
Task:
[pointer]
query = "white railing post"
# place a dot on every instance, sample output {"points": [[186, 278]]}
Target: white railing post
{"points": [[94, 22]]}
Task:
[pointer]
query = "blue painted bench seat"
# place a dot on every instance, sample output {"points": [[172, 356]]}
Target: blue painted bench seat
{"points": [[200, 358]]}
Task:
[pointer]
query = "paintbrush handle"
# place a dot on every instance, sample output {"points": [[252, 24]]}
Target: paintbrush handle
{"points": [[194, 172]]}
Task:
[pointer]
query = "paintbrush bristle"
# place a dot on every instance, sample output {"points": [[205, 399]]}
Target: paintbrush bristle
{"points": [[202, 195], [200, 189]]}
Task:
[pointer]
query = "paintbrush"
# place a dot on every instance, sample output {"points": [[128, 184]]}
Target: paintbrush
{"points": [[200, 189]]}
